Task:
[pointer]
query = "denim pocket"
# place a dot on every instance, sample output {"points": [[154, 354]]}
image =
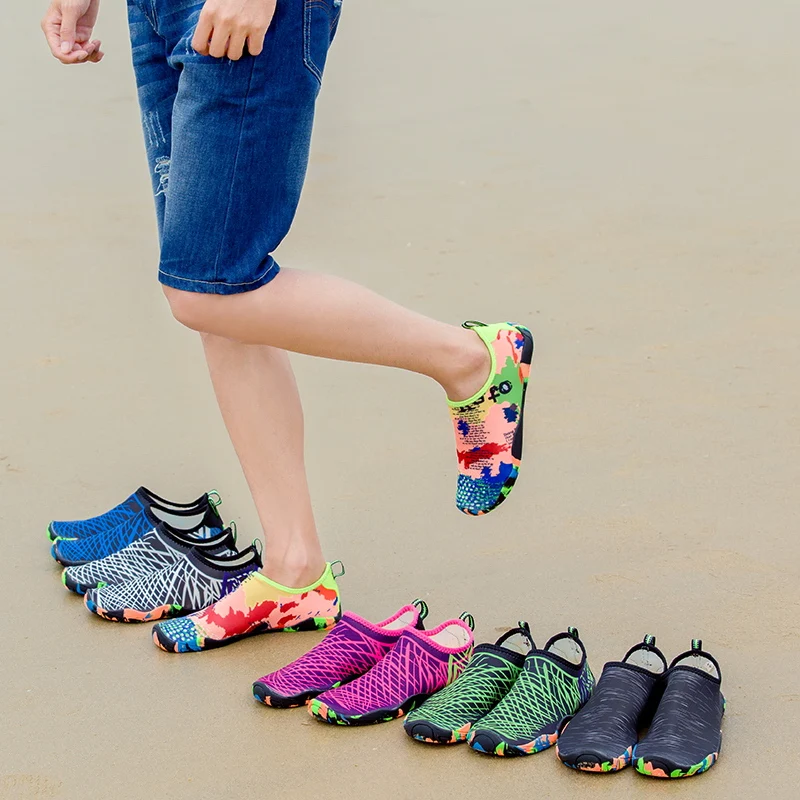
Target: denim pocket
{"points": [[321, 17]]}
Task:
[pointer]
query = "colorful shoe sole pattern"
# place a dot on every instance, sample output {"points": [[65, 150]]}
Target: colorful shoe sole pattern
{"points": [[439, 735], [505, 749], [322, 712], [615, 765], [133, 615], [646, 768]]}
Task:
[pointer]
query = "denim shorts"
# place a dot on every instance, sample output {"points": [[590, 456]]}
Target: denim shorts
{"points": [[227, 141]]}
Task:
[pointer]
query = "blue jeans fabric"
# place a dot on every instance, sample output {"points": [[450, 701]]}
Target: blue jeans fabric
{"points": [[227, 141]]}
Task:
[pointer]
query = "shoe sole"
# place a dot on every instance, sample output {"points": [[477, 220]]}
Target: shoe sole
{"points": [[492, 744], [658, 770], [324, 713], [166, 644], [133, 615], [432, 734], [516, 446], [590, 763], [264, 694]]}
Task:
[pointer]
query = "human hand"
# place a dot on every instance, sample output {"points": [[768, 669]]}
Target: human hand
{"points": [[67, 26], [226, 26]]}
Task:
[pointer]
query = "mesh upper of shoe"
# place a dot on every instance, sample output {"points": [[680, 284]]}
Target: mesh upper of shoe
{"points": [[349, 650], [414, 667], [485, 681], [542, 696], [83, 528]]}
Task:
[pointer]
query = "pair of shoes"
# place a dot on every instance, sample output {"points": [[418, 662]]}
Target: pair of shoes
{"points": [[681, 705], [91, 540], [363, 672], [253, 606], [507, 703]]}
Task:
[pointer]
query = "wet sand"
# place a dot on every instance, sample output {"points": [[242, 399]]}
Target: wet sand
{"points": [[625, 179]]}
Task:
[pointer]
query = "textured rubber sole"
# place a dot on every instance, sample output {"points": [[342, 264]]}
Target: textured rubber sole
{"points": [[516, 446], [655, 769], [319, 710], [266, 695], [591, 763], [166, 644], [491, 743], [134, 615], [429, 733]]}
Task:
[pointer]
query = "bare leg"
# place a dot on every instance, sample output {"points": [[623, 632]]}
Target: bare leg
{"points": [[321, 315], [258, 398]]}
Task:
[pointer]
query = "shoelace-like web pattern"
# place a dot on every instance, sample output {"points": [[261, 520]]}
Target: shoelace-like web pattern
{"points": [[110, 541], [410, 669], [139, 558], [346, 651], [542, 696], [485, 681], [177, 585], [111, 519]]}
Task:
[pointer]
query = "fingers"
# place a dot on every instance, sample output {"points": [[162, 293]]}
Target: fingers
{"points": [[255, 43], [69, 22], [202, 34], [81, 49], [232, 27], [236, 46], [95, 54], [218, 45]]}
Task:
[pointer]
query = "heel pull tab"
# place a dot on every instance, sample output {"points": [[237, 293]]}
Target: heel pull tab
{"points": [[258, 547], [340, 566], [697, 645], [422, 607], [468, 619], [214, 498], [526, 632], [523, 630], [649, 640], [573, 632]]}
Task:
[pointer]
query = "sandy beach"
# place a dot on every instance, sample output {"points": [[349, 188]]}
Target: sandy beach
{"points": [[623, 177]]}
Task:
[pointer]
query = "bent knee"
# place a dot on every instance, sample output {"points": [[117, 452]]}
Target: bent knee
{"points": [[192, 309]]}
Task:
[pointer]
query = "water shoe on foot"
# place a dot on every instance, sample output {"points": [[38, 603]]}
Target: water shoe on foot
{"points": [[421, 663], [602, 735], [488, 425], [259, 605], [685, 735], [553, 684], [353, 646], [448, 716]]}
